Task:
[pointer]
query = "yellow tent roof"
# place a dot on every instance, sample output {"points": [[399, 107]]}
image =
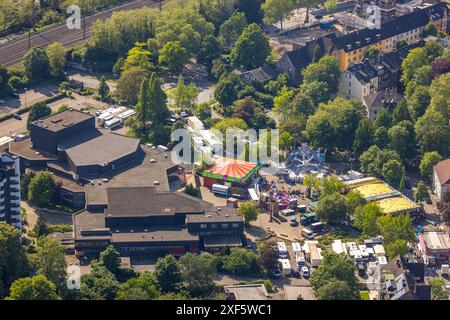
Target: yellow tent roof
{"points": [[372, 189], [396, 204]]}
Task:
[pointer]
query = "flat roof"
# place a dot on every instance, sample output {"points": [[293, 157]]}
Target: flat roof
{"points": [[160, 234], [62, 120], [149, 166], [98, 147], [23, 149], [437, 240], [222, 214], [147, 201], [248, 292]]}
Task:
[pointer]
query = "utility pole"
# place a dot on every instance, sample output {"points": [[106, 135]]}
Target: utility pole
{"points": [[160, 5]]}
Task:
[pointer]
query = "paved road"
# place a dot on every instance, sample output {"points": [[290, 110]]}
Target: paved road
{"points": [[11, 53]]}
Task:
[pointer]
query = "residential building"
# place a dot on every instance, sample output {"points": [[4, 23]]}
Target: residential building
{"points": [[388, 10], [402, 280], [441, 178], [143, 220], [351, 48], [10, 191]]}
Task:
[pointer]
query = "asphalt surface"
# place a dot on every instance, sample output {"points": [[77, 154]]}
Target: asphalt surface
{"points": [[12, 52]]}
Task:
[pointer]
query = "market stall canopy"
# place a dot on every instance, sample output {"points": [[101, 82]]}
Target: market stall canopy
{"points": [[231, 170]]}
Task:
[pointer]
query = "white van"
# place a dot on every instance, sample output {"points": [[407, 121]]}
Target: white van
{"points": [[282, 250], [285, 267], [162, 148], [308, 234]]}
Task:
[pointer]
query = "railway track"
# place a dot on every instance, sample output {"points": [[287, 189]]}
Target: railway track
{"points": [[12, 52]]}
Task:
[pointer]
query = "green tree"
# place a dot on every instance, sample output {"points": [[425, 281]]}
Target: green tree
{"points": [[203, 111], [110, 259], [251, 49], [335, 290], [245, 109], [396, 228], [210, 50], [429, 30], [416, 58], [198, 273], [226, 90], [373, 160], [51, 262], [249, 211], [393, 171], [100, 284], [421, 192], [173, 56], [429, 160], [268, 256], [38, 111], [25, 183], [363, 137], [402, 139], [140, 288], [158, 98], [286, 140], [440, 95], [419, 101], [129, 85], [138, 57], [35, 288], [103, 89], [381, 137], [335, 267], [332, 208], [383, 119], [4, 79], [325, 70], [231, 29], [433, 132], [36, 63], [13, 260], [185, 95], [438, 290], [400, 113], [372, 52], [366, 219], [398, 247], [239, 261], [168, 274], [277, 10], [42, 227], [41, 189], [56, 54]]}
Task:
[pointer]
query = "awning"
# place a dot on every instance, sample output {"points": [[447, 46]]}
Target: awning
{"points": [[253, 194]]}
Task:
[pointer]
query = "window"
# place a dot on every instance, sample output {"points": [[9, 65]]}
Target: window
{"points": [[214, 226], [203, 226], [235, 225], [225, 225]]}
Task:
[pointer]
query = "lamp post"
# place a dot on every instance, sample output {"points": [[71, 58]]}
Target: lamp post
{"points": [[25, 97]]}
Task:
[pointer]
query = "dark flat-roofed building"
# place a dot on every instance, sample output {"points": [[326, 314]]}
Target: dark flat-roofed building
{"points": [[144, 220], [73, 145]]}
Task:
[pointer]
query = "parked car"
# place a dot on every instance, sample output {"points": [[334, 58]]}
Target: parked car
{"points": [[361, 269], [276, 273], [17, 116], [305, 272], [294, 222], [295, 272]]}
